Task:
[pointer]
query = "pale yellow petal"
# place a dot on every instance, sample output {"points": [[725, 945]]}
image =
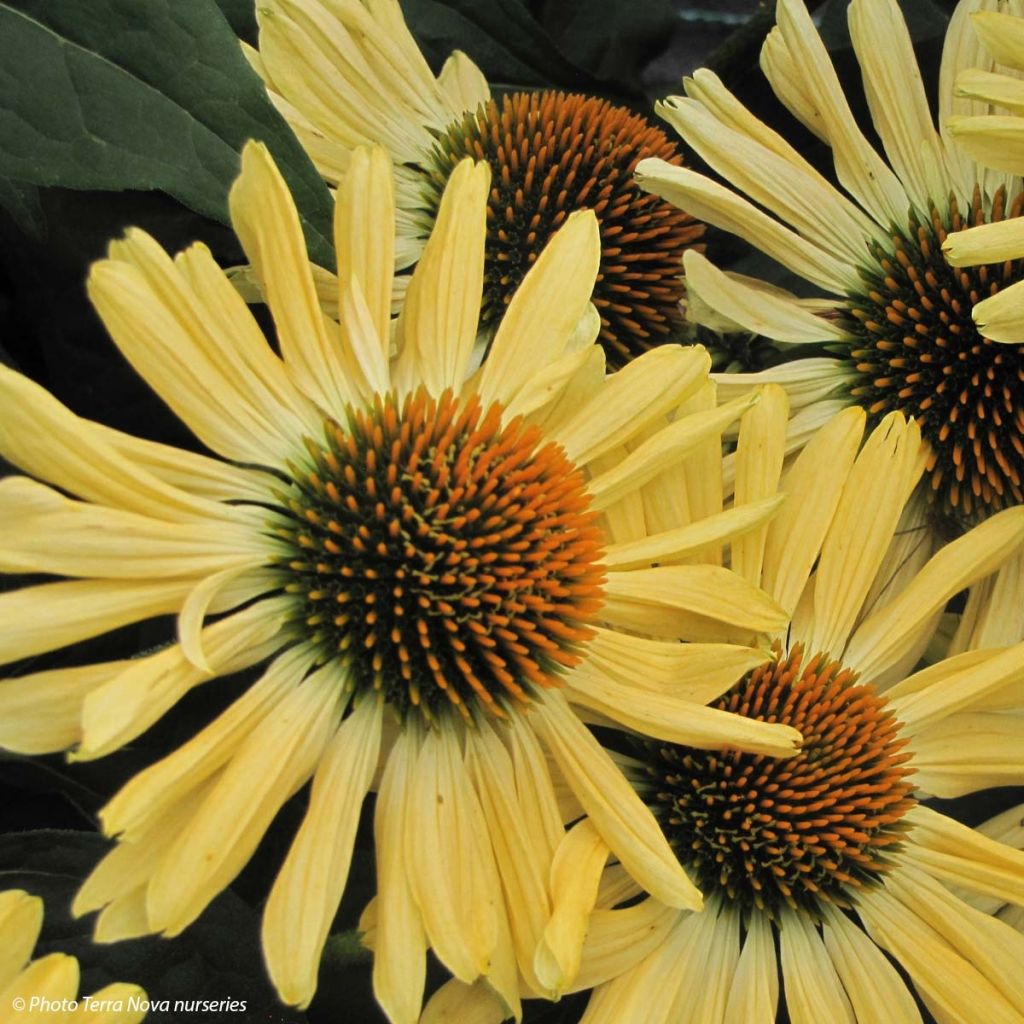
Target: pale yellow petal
{"points": [[715, 204], [133, 700], [463, 82], [874, 988], [364, 237], [52, 978], [21, 918], [622, 820], [995, 140], [755, 992], [545, 309], [813, 989], [1003, 91], [759, 454], [813, 486], [113, 1004], [1002, 35], [880, 639], [225, 830], [43, 438], [400, 943], [458, 1003], [575, 875], [264, 218], [438, 323], [1001, 317], [866, 517], [987, 243], [309, 886]]}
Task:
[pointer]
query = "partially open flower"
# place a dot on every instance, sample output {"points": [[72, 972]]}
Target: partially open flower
{"points": [[350, 74]]}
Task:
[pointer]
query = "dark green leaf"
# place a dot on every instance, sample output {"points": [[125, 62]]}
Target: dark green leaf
{"points": [[141, 94], [21, 201]]}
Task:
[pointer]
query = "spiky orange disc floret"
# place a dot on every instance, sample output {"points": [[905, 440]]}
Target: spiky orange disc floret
{"points": [[445, 558], [796, 831], [551, 153], [919, 351]]}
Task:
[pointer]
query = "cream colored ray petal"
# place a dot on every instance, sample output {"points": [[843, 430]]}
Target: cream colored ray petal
{"points": [[813, 989], [458, 1003], [191, 472], [225, 830], [522, 855], [364, 237], [967, 857], [52, 978], [542, 392], [862, 528], [1002, 91], [631, 399], [41, 713], [42, 437], [946, 980], [802, 200], [142, 802], [969, 680], [994, 948], [159, 323], [463, 83], [1001, 317], [968, 752], [21, 918], [53, 615], [678, 720], [706, 200], [309, 886], [46, 532], [545, 310], [874, 988], [623, 521], [987, 243], [754, 998], [681, 544], [645, 992], [995, 140], [962, 51], [438, 323], [575, 876], [133, 700], [113, 1004], [617, 940], [665, 448], [237, 347], [994, 613], [338, 66], [861, 171], [121, 876], [264, 218], [400, 943], [707, 590], [697, 672], [535, 790], [123, 918], [362, 352], [444, 821], [618, 814], [784, 76], [1002, 35], [880, 639], [616, 887], [759, 454], [897, 100], [578, 388], [806, 381], [706, 87], [714, 950]]}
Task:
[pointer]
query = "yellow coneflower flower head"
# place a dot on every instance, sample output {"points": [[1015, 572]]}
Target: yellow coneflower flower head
{"points": [[829, 857], [987, 125], [47, 988], [350, 73], [896, 314], [415, 545]]}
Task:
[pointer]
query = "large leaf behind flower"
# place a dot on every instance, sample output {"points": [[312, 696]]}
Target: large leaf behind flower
{"points": [[141, 94]]}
